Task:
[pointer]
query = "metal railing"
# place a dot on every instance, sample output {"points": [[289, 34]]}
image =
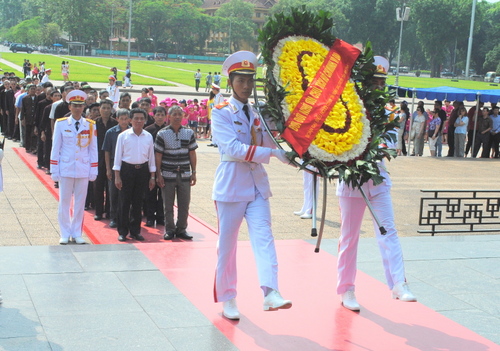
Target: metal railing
{"points": [[467, 211]]}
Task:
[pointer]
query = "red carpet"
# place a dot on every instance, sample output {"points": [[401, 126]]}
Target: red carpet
{"points": [[316, 321]]}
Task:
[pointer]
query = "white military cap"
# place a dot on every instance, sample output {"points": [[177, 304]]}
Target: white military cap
{"points": [[381, 66], [76, 97], [241, 62]]}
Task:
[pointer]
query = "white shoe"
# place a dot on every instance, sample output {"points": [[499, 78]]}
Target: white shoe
{"points": [[349, 301], [273, 301], [230, 310], [63, 241], [306, 216], [298, 213], [79, 240], [402, 292]]}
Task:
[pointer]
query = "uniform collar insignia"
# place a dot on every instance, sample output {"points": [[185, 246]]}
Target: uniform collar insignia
{"points": [[238, 123]]}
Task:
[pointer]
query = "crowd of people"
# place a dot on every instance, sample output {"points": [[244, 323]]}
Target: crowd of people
{"points": [[465, 131], [30, 112]]}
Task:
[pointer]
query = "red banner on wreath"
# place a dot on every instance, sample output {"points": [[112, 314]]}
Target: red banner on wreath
{"points": [[321, 96]]}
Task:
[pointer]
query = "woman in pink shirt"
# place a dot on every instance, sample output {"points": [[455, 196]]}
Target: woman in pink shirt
{"points": [[203, 121], [153, 97], [448, 108], [144, 94], [193, 119]]}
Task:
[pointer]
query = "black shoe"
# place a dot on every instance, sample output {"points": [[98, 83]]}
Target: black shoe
{"points": [[48, 172], [113, 224], [97, 218], [39, 167], [210, 145], [137, 237], [56, 185], [150, 223], [122, 238], [169, 236], [184, 235]]}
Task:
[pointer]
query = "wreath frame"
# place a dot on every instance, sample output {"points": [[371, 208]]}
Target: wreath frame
{"points": [[319, 26]]}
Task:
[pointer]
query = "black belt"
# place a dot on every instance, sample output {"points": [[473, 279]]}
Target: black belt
{"points": [[145, 164]]}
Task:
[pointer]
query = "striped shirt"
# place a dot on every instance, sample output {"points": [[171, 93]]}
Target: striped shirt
{"points": [[175, 148]]}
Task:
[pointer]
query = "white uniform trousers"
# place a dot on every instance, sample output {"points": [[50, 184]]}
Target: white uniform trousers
{"points": [[258, 216], [351, 214], [308, 182], [72, 189]]}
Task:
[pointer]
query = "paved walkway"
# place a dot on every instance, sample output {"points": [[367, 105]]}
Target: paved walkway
{"points": [[114, 297], [114, 291]]}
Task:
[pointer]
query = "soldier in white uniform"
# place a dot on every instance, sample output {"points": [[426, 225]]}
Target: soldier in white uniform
{"points": [[114, 91], [352, 208], [73, 162], [241, 188]]}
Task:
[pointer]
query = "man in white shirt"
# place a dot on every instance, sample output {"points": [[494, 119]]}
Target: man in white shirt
{"points": [[134, 167], [46, 76], [197, 79]]}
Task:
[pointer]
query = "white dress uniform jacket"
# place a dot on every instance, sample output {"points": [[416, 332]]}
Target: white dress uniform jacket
{"points": [[74, 153], [241, 169]]}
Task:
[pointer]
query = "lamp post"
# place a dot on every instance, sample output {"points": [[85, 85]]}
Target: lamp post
{"points": [[471, 32], [230, 21], [402, 14], [129, 32], [111, 35]]}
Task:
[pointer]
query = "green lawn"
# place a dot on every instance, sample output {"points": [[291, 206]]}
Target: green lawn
{"points": [[420, 82], [182, 72]]}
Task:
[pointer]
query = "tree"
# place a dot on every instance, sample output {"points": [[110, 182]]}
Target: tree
{"points": [[184, 23], [50, 34], [235, 19], [451, 22], [11, 13], [334, 7], [27, 32], [492, 62], [150, 23], [375, 21]]}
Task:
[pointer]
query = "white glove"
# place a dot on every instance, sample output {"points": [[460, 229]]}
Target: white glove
{"points": [[92, 178], [55, 177], [280, 155], [1, 156]]}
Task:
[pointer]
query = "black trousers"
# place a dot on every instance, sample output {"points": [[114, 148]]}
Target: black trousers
{"points": [[494, 144], [134, 186], [154, 208], [470, 136], [101, 192], [113, 198], [451, 141], [40, 151], [47, 148], [484, 141]]}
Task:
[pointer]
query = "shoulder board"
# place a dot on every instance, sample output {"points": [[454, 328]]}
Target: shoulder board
{"points": [[91, 121], [222, 105], [62, 119]]}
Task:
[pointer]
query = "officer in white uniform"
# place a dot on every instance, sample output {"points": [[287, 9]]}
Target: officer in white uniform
{"points": [[352, 208], [241, 188], [219, 98], [114, 91], [73, 162]]}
